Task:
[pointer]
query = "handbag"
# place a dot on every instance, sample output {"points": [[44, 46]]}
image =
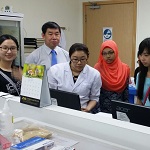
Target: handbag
{"points": [[10, 81]]}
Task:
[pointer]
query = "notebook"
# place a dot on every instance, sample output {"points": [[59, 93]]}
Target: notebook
{"points": [[131, 113], [66, 99]]}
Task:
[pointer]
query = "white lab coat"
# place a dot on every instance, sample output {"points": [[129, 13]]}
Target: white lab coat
{"points": [[87, 85]]}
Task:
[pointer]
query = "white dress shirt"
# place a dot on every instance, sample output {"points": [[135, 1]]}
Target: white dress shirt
{"points": [[42, 56]]}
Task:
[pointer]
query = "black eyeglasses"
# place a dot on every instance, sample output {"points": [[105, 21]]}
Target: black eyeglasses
{"points": [[109, 53], [6, 49], [83, 60]]}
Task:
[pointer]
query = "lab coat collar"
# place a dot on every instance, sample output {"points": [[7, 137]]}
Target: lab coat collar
{"points": [[80, 79], [68, 73]]}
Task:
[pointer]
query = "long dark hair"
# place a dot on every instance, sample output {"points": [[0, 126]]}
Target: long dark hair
{"points": [[144, 45]]}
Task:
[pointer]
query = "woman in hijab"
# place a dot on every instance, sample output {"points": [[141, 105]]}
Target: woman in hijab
{"points": [[115, 76]]}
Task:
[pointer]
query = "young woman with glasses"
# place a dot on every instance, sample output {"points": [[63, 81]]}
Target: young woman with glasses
{"points": [[77, 77], [10, 76], [115, 76]]}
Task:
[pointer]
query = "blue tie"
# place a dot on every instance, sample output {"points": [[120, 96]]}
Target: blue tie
{"points": [[54, 58]]}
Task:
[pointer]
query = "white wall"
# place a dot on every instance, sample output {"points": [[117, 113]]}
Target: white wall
{"points": [[143, 21], [69, 14], [36, 12]]}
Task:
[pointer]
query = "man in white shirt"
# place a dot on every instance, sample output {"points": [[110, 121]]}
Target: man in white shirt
{"points": [[51, 34]]}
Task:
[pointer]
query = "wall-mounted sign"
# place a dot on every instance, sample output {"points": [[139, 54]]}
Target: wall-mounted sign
{"points": [[107, 33]]}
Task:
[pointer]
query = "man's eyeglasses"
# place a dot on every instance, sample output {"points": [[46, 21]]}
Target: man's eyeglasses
{"points": [[109, 53], [6, 49], [83, 60]]}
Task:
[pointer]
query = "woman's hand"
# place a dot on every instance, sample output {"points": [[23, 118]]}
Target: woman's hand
{"points": [[85, 109], [91, 104]]}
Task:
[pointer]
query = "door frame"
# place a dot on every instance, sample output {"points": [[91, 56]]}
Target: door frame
{"points": [[108, 2]]}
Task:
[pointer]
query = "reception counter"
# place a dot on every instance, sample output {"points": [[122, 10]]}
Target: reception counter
{"points": [[106, 133]]}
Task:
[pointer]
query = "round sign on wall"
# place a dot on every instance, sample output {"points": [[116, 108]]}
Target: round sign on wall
{"points": [[107, 34]]}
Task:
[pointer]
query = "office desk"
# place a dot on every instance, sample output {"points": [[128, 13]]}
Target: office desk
{"points": [[103, 131]]}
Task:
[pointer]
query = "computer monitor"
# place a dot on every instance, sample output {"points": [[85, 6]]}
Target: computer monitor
{"points": [[66, 99], [131, 113]]}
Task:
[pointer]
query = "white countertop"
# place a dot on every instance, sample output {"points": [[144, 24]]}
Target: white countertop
{"points": [[96, 126]]}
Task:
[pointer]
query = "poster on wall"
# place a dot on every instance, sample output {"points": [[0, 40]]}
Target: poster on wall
{"points": [[107, 33]]}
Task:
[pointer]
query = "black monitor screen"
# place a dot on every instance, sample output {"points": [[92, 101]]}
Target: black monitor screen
{"points": [[66, 99], [131, 113]]}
